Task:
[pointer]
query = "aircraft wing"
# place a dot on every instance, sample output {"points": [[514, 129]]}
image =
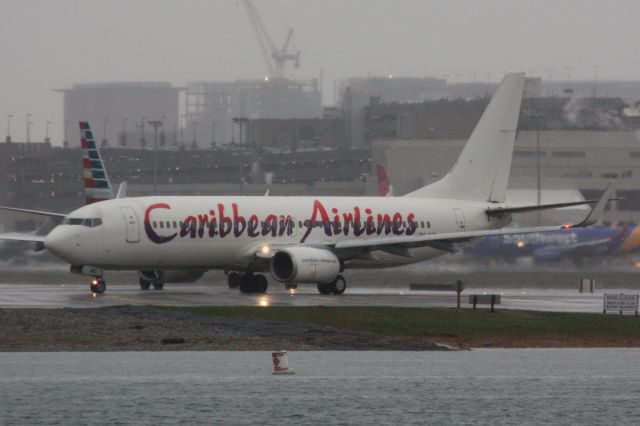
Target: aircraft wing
{"points": [[434, 239], [16, 236], [444, 241], [37, 212]]}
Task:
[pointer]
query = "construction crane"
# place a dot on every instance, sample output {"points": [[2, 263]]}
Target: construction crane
{"points": [[276, 58]]}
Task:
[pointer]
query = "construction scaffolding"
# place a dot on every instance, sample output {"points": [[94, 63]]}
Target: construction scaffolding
{"points": [[212, 108]]}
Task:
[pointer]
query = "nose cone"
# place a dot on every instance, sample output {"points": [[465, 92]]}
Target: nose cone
{"points": [[58, 242]]}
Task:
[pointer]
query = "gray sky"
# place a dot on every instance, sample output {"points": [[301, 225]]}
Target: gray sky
{"points": [[46, 44]]}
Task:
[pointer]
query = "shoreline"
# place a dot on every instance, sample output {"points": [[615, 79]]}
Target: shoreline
{"points": [[143, 328]]}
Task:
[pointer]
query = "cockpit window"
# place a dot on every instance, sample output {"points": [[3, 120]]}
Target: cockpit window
{"points": [[89, 222]]}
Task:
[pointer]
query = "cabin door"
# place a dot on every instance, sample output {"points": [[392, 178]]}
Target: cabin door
{"points": [[459, 219], [132, 226]]}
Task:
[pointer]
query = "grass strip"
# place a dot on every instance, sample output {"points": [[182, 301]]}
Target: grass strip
{"points": [[464, 324]]}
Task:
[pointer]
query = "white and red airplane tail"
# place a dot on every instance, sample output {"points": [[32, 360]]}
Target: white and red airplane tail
{"points": [[97, 186], [385, 189]]}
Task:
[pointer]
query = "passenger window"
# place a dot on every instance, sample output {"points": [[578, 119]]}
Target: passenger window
{"points": [[174, 224], [155, 224], [422, 224]]}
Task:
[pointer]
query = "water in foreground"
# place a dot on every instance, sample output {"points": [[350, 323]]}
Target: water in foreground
{"points": [[494, 386]]}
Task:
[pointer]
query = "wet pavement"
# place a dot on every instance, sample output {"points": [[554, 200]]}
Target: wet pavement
{"points": [[79, 296]]}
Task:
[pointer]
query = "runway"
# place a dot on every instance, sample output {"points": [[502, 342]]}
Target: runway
{"points": [[79, 296]]}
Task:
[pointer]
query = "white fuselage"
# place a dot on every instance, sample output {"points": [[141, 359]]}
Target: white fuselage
{"points": [[225, 232]]}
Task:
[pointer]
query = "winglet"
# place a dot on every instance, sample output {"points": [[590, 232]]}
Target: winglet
{"points": [[596, 212], [122, 190]]}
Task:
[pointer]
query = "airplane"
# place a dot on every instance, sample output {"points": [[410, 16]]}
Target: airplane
{"points": [[309, 240], [573, 244], [385, 189]]}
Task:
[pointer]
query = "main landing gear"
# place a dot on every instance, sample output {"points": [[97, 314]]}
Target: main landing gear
{"points": [[146, 284], [337, 286], [98, 285], [248, 283]]}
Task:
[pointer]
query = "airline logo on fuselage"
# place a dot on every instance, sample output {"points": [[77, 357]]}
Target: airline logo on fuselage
{"points": [[221, 222]]}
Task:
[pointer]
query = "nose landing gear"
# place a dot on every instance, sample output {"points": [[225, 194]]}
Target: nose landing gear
{"points": [[98, 285]]}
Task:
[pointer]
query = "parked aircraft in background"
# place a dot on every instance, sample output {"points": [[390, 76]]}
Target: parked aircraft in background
{"points": [[303, 239], [574, 244]]}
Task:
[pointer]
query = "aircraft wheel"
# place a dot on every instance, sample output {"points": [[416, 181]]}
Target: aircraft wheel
{"points": [[98, 285], [246, 284], [233, 280], [260, 283], [158, 285], [144, 284], [339, 285], [324, 288]]}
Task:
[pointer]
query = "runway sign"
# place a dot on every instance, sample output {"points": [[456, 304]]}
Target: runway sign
{"points": [[620, 303]]}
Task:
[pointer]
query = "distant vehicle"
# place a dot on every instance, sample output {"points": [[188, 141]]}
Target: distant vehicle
{"points": [[303, 239]]}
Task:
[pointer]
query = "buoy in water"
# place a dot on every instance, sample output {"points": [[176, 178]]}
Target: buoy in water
{"points": [[281, 363]]}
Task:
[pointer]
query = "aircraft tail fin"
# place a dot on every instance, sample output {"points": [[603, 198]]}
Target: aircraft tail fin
{"points": [[384, 183], [97, 186], [481, 172]]}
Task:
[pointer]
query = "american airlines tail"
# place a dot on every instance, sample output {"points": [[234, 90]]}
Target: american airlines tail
{"points": [[97, 186], [482, 170]]}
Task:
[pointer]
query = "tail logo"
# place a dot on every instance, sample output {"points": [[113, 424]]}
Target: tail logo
{"points": [[96, 182]]}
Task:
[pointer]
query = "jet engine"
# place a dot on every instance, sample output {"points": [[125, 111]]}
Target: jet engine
{"points": [[305, 265]]}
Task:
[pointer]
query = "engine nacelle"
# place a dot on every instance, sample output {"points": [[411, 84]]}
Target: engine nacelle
{"points": [[305, 265], [171, 276]]}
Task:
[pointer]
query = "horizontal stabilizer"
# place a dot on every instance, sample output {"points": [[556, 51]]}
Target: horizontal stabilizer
{"points": [[524, 209]]}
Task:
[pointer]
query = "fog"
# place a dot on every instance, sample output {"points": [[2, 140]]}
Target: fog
{"points": [[47, 45]]}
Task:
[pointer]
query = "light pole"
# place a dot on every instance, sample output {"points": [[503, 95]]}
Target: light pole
{"points": [[8, 138], [183, 119], [538, 118], [104, 132], [155, 124], [162, 132], [29, 123], [194, 144], [143, 143], [46, 139], [65, 143], [123, 136], [213, 133]]}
